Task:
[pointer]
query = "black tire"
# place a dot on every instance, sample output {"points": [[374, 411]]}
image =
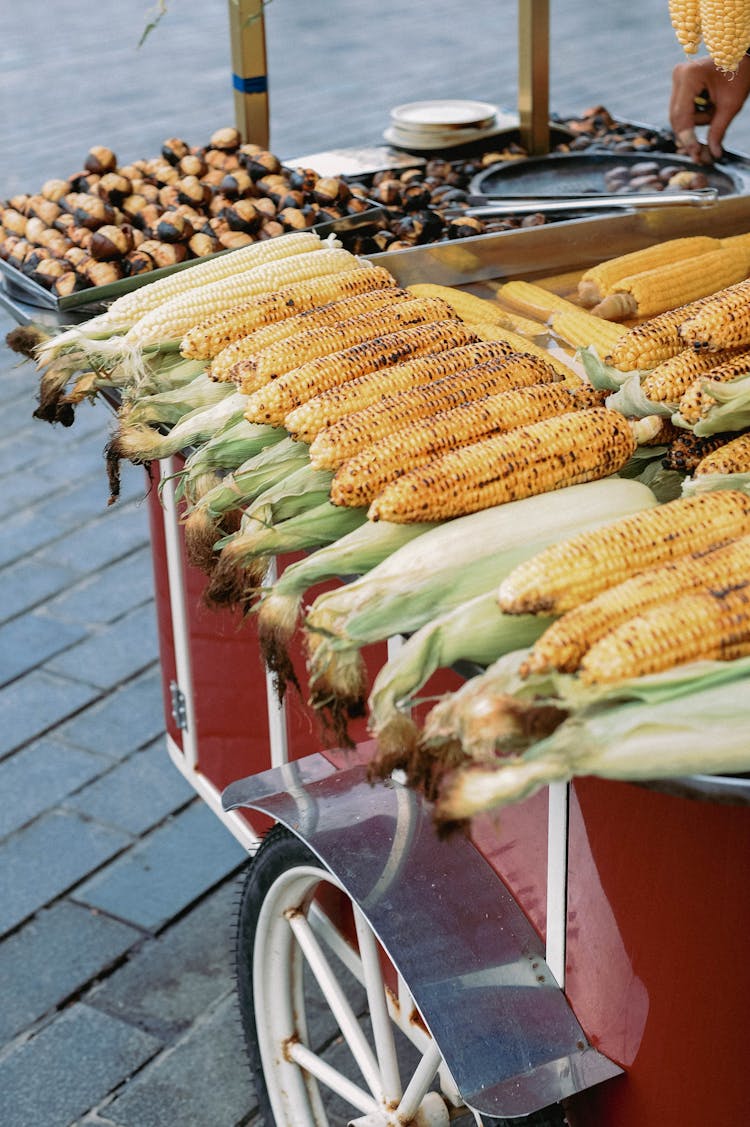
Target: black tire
{"points": [[280, 851]]}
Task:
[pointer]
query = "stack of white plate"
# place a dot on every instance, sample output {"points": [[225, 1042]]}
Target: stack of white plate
{"points": [[441, 124]]}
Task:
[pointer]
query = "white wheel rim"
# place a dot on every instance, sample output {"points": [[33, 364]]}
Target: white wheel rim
{"points": [[288, 936]]}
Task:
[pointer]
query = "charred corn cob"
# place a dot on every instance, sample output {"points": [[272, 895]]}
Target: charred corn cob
{"points": [[665, 287], [668, 381], [274, 402], [218, 330], [476, 310], [564, 643], [535, 301], [364, 475], [731, 457], [534, 459], [723, 321], [329, 314], [281, 357], [567, 574], [704, 625], [520, 343], [597, 281], [686, 449], [328, 408], [657, 339], [697, 400], [686, 21], [582, 329], [725, 26], [344, 439]]}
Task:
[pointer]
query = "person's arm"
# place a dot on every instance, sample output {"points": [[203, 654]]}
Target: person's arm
{"points": [[726, 95]]}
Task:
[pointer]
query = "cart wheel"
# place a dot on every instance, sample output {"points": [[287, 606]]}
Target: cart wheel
{"points": [[333, 1037]]}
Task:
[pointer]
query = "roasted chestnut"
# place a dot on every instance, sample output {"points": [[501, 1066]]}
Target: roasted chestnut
{"points": [[243, 215], [233, 240], [302, 179], [100, 160], [464, 226], [236, 184], [114, 188], [192, 165], [138, 262], [109, 243], [54, 189], [14, 222], [174, 149], [294, 219], [173, 228], [65, 284], [261, 164], [191, 191], [228, 139], [103, 273], [202, 244], [330, 190]]}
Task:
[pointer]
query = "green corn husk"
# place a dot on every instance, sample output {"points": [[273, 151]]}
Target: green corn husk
{"points": [[476, 631], [706, 483], [245, 558], [732, 410], [167, 408], [145, 444], [231, 446]]}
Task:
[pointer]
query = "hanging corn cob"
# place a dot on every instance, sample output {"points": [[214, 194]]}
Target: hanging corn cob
{"points": [[565, 642], [697, 400], [597, 281], [725, 26], [675, 284], [328, 408], [686, 21], [567, 574], [730, 457], [332, 446], [273, 402], [364, 475], [668, 381], [219, 329], [723, 320], [534, 459]]}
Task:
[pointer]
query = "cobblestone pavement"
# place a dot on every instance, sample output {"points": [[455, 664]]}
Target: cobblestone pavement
{"points": [[117, 882]]}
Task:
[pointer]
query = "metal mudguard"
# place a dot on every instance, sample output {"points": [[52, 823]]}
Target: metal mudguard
{"points": [[472, 962]]}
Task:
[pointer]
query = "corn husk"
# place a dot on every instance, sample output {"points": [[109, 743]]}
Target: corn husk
{"points": [[141, 443], [731, 410], [167, 408], [706, 483]]}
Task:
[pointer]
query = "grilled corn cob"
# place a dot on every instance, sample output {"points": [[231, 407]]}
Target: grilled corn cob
{"points": [[723, 321], [534, 459], [582, 329], [567, 574], [344, 439], [328, 408], [657, 339], [274, 402], [704, 625], [329, 314], [364, 475], [564, 643], [668, 381], [218, 330], [597, 281], [731, 457], [686, 449], [535, 301], [697, 400], [520, 343], [477, 310], [725, 26], [686, 21]]}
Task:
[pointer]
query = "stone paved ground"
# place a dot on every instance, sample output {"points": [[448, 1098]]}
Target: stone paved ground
{"points": [[117, 882]]}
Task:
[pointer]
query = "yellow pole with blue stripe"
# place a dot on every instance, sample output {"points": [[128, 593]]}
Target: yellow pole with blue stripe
{"points": [[248, 38]]}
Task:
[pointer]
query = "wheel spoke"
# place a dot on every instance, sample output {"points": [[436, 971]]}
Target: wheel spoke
{"points": [[332, 1078], [337, 1000], [382, 1029], [334, 940], [419, 1084]]}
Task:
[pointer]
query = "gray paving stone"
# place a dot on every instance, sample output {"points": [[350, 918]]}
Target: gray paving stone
{"points": [[166, 984], [136, 794], [80, 1057], [30, 582], [166, 871], [100, 542], [41, 862], [35, 703], [37, 777], [23, 533], [113, 653], [204, 1079], [106, 595], [30, 640], [52, 957], [121, 722]]}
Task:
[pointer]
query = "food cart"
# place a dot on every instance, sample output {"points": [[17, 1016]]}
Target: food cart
{"points": [[579, 959]]}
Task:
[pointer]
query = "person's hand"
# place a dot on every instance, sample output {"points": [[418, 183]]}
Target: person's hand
{"points": [[726, 96]]}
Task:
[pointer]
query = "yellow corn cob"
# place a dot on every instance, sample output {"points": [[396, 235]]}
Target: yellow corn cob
{"points": [[581, 329], [328, 408], [534, 459], [668, 381], [522, 343], [725, 26], [363, 476], [732, 457], [328, 314], [657, 339], [281, 357], [342, 440], [722, 322], [566, 574], [686, 21], [473, 309], [172, 319], [703, 625], [218, 330], [272, 403], [597, 281], [697, 400], [534, 300], [564, 643], [666, 287]]}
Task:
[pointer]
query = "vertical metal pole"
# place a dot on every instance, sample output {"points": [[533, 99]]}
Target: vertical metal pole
{"points": [[533, 75], [248, 39]]}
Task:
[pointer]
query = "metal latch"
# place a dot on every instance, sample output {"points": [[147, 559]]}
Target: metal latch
{"points": [[179, 707]]}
